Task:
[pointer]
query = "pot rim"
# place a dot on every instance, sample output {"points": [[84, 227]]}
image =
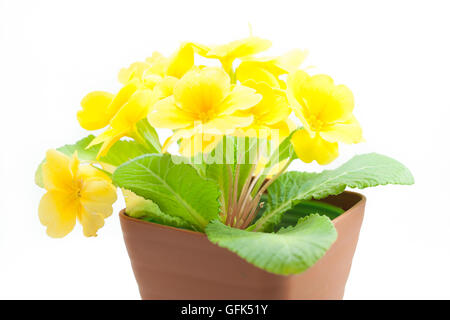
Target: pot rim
{"points": [[122, 215]]}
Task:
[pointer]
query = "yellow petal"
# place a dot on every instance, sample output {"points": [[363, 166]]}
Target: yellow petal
{"points": [[200, 49], [74, 164], [283, 128], [56, 170], [273, 107], [157, 64], [181, 133], [249, 70], [341, 104], [89, 171], [58, 212], [295, 82], [94, 115], [122, 97], [137, 108], [181, 61], [240, 98], [309, 149], [134, 71], [107, 138], [240, 48], [97, 196], [164, 87], [226, 124], [166, 114], [91, 222], [348, 132], [279, 65], [150, 80], [327, 101], [288, 61]]}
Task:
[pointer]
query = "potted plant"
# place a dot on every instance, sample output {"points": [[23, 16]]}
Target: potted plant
{"points": [[220, 216]]}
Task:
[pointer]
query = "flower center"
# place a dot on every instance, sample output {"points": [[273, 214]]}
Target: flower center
{"points": [[315, 123], [78, 185], [206, 116]]}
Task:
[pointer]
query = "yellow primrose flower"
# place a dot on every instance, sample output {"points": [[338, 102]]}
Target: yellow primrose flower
{"points": [[157, 67], [270, 115], [125, 119], [325, 110], [227, 53], [74, 192], [203, 101], [135, 71], [269, 69], [99, 107], [316, 148]]}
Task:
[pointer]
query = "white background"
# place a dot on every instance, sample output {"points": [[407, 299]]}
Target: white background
{"points": [[394, 55]]}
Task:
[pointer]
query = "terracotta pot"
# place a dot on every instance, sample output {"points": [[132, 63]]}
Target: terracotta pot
{"points": [[171, 263]]}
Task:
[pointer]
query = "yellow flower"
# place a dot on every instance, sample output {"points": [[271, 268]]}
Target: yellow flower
{"points": [[325, 110], [99, 107], [133, 102], [204, 101], [158, 68], [309, 149], [135, 71], [227, 53], [270, 115], [74, 192], [125, 119], [269, 69]]}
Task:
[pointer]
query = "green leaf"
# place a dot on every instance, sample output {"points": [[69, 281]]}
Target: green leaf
{"points": [[281, 195], [291, 250], [123, 151], [302, 209], [140, 208], [147, 136], [119, 153], [175, 187], [362, 171], [307, 207]]}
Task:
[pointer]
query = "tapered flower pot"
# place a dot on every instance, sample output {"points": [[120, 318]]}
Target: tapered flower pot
{"points": [[171, 263]]}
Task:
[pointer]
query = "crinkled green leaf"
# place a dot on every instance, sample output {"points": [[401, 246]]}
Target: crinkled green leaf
{"points": [[362, 171], [302, 209], [176, 187], [291, 250], [140, 208], [119, 153]]}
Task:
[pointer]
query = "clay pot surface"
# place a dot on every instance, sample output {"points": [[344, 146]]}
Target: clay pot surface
{"points": [[171, 263]]}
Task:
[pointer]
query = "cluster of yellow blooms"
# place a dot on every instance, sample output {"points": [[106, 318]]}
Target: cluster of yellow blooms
{"points": [[255, 98]]}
